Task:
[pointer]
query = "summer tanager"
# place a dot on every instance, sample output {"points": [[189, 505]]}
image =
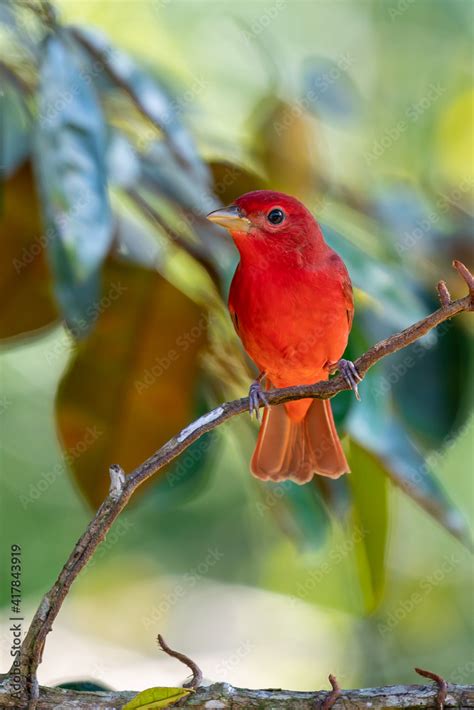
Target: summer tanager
{"points": [[291, 304]]}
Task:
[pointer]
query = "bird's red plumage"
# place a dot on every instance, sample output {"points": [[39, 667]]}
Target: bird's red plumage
{"points": [[291, 303]]}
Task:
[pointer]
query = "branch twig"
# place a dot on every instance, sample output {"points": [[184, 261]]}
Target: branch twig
{"points": [[441, 683], [331, 697], [196, 680], [42, 622]]}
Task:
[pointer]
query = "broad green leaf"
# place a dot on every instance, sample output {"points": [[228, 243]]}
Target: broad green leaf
{"points": [[329, 90], [368, 485], [70, 149], [373, 424], [130, 386], [157, 698], [26, 293]]}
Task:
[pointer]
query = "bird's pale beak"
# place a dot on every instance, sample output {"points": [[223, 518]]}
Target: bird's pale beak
{"points": [[231, 218]]}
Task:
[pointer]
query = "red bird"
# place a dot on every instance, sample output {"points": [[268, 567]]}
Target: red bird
{"points": [[291, 304]]}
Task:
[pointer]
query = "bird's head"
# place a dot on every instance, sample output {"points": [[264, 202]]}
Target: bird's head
{"points": [[271, 217]]}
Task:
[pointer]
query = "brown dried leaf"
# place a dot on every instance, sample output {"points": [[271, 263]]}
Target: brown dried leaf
{"points": [[130, 385]]}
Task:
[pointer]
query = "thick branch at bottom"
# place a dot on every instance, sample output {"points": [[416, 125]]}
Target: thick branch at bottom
{"points": [[226, 697]]}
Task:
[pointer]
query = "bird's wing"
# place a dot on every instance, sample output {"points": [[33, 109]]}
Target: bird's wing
{"points": [[348, 298], [341, 274]]}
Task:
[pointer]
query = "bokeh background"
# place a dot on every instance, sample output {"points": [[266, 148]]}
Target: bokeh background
{"points": [[123, 123]]}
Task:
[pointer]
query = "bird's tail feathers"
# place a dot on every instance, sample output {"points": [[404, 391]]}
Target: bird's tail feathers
{"points": [[296, 450]]}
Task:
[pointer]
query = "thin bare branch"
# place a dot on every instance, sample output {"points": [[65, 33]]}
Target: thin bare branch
{"points": [[440, 682], [196, 680], [465, 274], [331, 697]]}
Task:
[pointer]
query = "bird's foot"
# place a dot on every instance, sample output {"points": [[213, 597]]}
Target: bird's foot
{"points": [[349, 372], [256, 398]]}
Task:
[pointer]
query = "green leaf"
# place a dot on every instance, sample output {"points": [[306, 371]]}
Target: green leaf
{"points": [[156, 698], [368, 483], [70, 161]]}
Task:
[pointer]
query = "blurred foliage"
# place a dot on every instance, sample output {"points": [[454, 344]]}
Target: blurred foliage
{"points": [[115, 148], [120, 378], [23, 267], [372, 520], [70, 161]]}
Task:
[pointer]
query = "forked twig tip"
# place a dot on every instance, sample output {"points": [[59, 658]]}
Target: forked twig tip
{"points": [[443, 293], [466, 275]]}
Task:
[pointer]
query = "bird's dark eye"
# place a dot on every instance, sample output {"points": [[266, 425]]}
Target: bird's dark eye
{"points": [[276, 216]]}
